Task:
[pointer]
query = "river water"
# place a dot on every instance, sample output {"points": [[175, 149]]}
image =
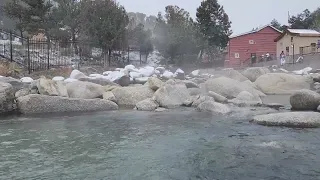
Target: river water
{"points": [[177, 145]]}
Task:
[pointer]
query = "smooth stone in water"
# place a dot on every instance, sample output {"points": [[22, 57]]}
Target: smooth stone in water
{"points": [[213, 107], [290, 119], [217, 97], [39, 104], [130, 96], [147, 105], [305, 100]]}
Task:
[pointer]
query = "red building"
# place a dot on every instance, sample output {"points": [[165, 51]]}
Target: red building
{"points": [[257, 43]]}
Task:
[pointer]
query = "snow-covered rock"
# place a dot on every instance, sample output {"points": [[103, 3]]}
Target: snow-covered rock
{"points": [[167, 74], [135, 74], [130, 68], [26, 79], [76, 74], [69, 80], [195, 73], [161, 69], [147, 71], [115, 75], [96, 76], [106, 73], [283, 70], [141, 80], [304, 71], [58, 78]]}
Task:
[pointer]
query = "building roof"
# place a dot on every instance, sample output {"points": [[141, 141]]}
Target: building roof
{"points": [[255, 31], [303, 32], [299, 32]]}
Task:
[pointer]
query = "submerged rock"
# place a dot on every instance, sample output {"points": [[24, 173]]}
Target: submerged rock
{"points": [[290, 119], [305, 100], [213, 107], [39, 104]]}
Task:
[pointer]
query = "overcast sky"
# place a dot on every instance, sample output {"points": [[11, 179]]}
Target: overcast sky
{"points": [[244, 14]]}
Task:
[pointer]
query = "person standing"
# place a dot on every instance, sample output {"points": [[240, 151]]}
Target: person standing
{"points": [[282, 58]]}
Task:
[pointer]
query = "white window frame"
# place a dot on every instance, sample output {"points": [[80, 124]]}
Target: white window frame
{"points": [[236, 55], [251, 41]]}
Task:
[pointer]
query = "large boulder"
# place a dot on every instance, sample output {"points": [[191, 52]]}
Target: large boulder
{"points": [[16, 84], [85, 90], [213, 107], [154, 83], [22, 92], [6, 98], [194, 91], [290, 119], [202, 99], [76, 74], [147, 105], [217, 97], [253, 73], [109, 96], [281, 83], [172, 94], [233, 74], [191, 84], [51, 88], [305, 100], [38, 104], [130, 96], [190, 100], [246, 99], [230, 88], [123, 81]]}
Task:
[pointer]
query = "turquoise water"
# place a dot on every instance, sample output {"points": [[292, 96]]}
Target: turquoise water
{"points": [[174, 145]]}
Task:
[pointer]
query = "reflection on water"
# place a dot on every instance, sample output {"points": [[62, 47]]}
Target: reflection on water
{"points": [[139, 145]]}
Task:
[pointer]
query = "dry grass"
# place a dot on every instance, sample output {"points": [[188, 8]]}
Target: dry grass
{"points": [[64, 72], [9, 69]]}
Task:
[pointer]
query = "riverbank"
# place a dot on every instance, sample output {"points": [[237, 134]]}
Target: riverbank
{"points": [[223, 92]]}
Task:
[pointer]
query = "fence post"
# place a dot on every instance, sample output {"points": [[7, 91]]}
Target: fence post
{"points": [[29, 63], [128, 55], [48, 65], [11, 48]]}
